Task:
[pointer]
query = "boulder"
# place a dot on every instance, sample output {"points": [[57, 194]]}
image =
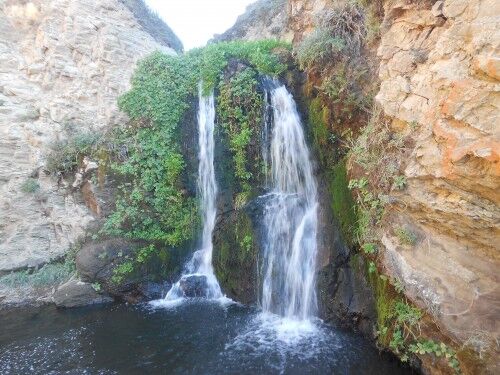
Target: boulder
{"points": [[193, 286], [97, 261], [76, 293], [145, 280]]}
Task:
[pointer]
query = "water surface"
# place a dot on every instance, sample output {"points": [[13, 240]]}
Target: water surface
{"points": [[197, 337]]}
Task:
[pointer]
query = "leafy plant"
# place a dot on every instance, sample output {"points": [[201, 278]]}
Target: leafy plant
{"points": [[97, 287], [121, 271], [399, 182], [66, 154], [372, 268], [405, 236], [152, 204], [369, 248]]}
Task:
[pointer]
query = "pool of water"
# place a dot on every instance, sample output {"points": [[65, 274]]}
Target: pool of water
{"points": [[196, 337]]}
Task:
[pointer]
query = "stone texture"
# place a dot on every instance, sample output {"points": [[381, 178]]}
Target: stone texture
{"points": [[263, 19], [62, 62], [76, 293], [441, 79]]}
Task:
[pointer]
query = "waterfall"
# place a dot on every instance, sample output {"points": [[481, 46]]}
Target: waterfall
{"points": [[199, 279], [290, 217]]}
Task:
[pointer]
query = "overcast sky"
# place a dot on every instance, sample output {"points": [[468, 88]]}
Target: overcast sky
{"points": [[196, 21]]}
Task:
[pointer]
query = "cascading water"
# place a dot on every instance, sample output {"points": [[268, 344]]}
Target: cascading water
{"points": [[290, 217], [199, 279]]}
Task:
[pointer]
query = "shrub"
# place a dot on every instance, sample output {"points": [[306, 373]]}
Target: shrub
{"points": [[405, 236], [319, 48], [346, 22], [151, 204], [30, 185], [49, 274], [65, 155]]}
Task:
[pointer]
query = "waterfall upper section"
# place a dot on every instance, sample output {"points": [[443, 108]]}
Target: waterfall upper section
{"points": [[199, 279], [290, 216]]}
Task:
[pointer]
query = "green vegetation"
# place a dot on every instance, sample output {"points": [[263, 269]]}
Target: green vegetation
{"points": [[121, 271], [405, 236], [30, 186], [398, 323], [235, 257], [48, 275], [319, 48], [239, 109], [65, 155], [343, 205], [97, 287], [369, 248], [151, 204]]}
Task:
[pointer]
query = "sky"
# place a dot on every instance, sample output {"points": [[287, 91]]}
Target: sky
{"points": [[196, 21]]}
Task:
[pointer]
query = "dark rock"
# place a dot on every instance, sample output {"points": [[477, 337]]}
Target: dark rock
{"points": [[76, 293], [193, 286], [97, 262], [151, 290], [236, 253]]}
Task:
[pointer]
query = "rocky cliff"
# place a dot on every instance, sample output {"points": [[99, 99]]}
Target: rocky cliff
{"points": [[63, 64], [436, 63], [439, 76]]}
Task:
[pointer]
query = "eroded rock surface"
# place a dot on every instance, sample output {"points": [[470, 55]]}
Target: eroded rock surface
{"points": [[439, 81], [63, 63]]}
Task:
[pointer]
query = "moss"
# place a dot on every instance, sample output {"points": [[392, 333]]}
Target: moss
{"points": [[385, 298], [343, 205], [318, 119], [235, 257]]}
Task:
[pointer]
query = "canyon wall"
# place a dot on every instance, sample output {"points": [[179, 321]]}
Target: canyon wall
{"points": [[63, 64], [439, 74], [438, 64]]}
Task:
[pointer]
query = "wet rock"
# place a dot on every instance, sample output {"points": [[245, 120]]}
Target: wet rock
{"points": [[96, 262], [194, 286], [76, 293]]}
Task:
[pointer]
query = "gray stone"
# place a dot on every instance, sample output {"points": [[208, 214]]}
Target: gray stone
{"points": [[76, 293], [194, 286]]}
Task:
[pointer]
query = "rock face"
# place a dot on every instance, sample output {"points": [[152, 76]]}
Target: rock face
{"points": [[439, 75], [63, 63], [76, 293], [263, 19]]}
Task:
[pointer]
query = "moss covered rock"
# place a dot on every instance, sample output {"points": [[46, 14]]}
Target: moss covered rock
{"points": [[236, 255]]}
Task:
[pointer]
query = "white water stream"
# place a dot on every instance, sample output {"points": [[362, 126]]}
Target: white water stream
{"points": [[199, 278], [290, 217]]}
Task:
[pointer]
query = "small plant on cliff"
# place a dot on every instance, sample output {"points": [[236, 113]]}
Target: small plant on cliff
{"points": [[405, 236], [65, 155], [30, 186], [319, 48]]}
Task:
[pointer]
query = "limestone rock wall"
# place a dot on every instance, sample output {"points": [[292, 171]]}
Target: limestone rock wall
{"points": [[63, 63], [439, 72]]}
